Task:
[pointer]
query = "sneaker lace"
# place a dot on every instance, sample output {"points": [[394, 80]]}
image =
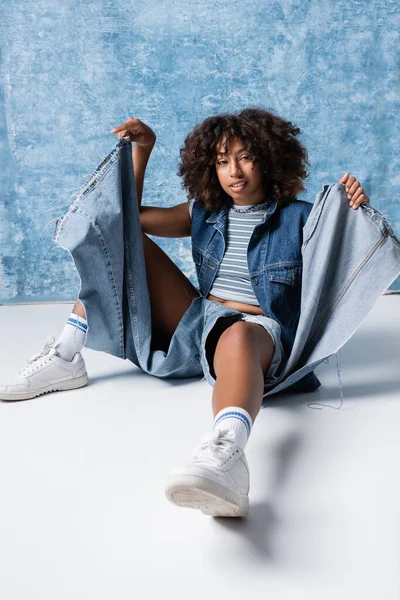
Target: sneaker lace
{"points": [[39, 359], [214, 447]]}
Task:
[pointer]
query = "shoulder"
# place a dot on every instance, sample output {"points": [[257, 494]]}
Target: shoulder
{"points": [[299, 207], [297, 212], [197, 209]]}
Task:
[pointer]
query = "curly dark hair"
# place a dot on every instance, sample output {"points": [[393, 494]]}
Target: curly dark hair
{"points": [[270, 141]]}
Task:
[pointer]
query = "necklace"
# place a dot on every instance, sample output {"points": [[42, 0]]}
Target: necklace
{"points": [[251, 207]]}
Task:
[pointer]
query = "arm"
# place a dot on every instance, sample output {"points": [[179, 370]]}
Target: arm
{"points": [[170, 222], [140, 157], [163, 222], [144, 137]]}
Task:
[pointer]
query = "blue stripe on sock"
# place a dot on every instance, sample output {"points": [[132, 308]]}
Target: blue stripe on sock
{"points": [[75, 321], [78, 325], [237, 415]]}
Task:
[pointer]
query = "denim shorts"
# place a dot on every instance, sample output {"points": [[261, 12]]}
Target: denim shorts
{"points": [[218, 323], [202, 325]]}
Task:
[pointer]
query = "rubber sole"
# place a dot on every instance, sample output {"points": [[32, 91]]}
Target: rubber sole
{"points": [[212, 499], [61, 386]]}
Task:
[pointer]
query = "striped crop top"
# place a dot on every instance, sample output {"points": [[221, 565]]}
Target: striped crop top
{"points": [[232, 281]]}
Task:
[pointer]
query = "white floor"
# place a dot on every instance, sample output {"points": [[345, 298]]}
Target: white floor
{"points": [[82, 508]]}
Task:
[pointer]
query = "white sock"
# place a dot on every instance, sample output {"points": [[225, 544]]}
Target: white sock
{"points": [[73, 337], [236, 418]]}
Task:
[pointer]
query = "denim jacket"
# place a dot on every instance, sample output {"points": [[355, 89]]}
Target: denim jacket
{"points": [[274, 261]]}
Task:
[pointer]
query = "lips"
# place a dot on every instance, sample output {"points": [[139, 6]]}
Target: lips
{"points": [[238, 189]]}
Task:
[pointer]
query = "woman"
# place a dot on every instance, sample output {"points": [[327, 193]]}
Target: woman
{"points": [[242, 174]]}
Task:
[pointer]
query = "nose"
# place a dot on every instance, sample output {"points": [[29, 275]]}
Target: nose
{"points": [[235, 170]]}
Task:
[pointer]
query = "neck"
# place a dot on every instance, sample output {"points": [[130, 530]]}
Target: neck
{"points": [[237, 205]]}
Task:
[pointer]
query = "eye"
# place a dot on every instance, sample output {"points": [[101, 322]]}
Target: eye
{"points": [[224, 161]]}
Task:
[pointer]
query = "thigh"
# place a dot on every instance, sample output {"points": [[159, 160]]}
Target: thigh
{"points": [[260, 335], [221, 324], [171, 293]]}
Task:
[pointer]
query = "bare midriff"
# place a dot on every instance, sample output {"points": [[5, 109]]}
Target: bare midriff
{"points": [[248, 308]]}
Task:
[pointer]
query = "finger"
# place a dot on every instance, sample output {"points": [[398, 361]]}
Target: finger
{"points": [[125, 125], [130, 135], [119, 128], [350, 183], [122, 127], [356, 196], [344, 178], [355, 187], [356, 204]]}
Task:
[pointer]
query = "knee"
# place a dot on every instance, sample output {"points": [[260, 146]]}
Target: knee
{"points": [[238, 334], [245, 339]]}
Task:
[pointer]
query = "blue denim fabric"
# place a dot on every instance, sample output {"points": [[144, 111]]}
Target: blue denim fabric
{"points": [[346, 258], [349, 259]]}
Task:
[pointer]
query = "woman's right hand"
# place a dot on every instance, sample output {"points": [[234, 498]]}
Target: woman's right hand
{"points": [[134, 130]]}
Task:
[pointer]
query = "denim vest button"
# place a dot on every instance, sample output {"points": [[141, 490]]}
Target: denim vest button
{"points": [[256, 281]]}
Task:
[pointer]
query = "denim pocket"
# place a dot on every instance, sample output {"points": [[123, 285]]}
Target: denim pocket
{"points": [[290, 274], [285, 293]]}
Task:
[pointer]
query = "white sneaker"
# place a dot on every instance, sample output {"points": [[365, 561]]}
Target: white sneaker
{"points": [[215, 479], [46, 372]]}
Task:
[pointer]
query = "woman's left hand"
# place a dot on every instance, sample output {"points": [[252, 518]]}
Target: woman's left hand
{"points": [[355, 193]]}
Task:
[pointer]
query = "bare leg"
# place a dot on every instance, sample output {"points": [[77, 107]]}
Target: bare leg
{"points": [[249, 348], [171, 293], [243, 353], [79, 309]]}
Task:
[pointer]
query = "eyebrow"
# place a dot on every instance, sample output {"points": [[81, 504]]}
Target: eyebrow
{"points": [[222, 153]]}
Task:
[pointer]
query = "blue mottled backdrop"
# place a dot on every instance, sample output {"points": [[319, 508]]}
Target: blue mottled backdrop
{"points": [[71, 71]]}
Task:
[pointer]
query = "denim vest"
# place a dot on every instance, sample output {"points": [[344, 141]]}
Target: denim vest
{"points": [[273, 256]]}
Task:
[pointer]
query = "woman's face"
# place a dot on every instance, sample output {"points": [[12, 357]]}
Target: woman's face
{"points": [[236, 166]]}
